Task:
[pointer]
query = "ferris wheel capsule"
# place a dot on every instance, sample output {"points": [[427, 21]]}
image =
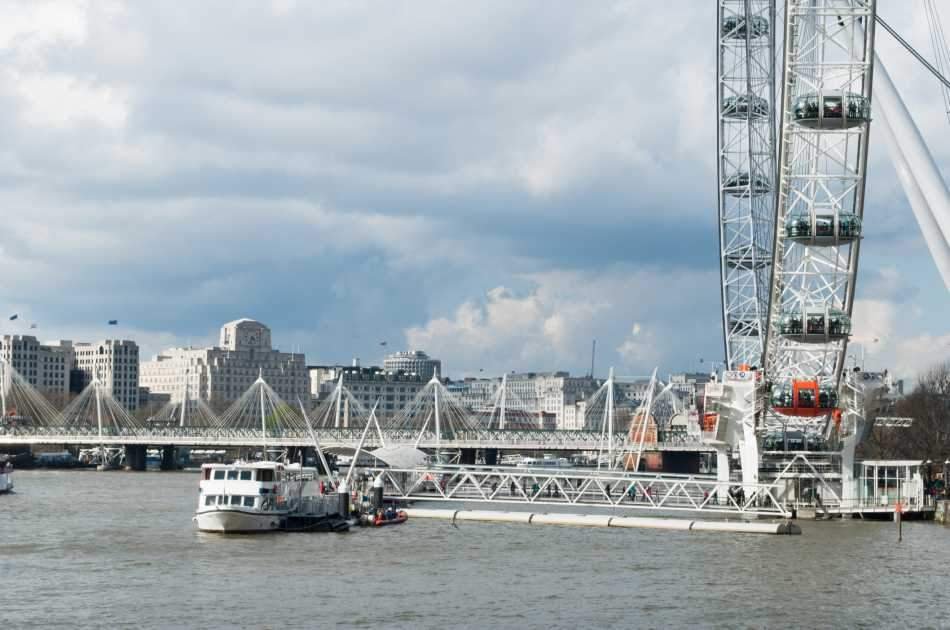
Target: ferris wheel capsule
{"points": [[744, 185], [836, 110], [745, 106], [806, 398], [738, 27], [823, 228], [815, 325]]}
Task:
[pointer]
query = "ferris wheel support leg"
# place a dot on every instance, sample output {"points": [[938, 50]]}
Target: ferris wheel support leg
{"points": [[722, 475], [749, 455], [924, 185]]}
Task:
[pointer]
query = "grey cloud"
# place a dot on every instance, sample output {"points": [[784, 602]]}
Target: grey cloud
{"points": [[347, 172]]}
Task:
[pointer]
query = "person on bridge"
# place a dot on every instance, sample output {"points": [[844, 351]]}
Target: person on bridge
{"points": [[511, 489]]}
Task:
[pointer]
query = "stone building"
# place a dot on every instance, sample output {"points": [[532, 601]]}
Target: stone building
{"points": [[221, 374]]}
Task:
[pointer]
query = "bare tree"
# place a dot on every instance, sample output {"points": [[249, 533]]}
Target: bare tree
{"points": [[929, 435]]}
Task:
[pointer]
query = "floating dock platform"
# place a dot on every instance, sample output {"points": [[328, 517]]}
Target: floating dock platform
{"points": [[599, 520]]}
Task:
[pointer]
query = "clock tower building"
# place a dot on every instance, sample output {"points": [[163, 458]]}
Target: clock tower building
{"points": [[245, 334], [224, 372]]}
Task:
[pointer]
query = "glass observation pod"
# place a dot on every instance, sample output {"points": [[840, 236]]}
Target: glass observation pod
{"points": [[742, 185], [831, 111], [749, 327], [791, 440], [734, 27], [821, 228], [748, 260], [804, 398], [815, 326], [745, 106]]}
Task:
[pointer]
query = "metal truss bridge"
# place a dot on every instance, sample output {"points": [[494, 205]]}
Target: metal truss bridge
{"points": [[520, 440], [578, 487]]}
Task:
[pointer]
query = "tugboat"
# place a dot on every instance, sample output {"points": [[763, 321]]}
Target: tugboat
{"points": [[6, 478], [249, 497]]}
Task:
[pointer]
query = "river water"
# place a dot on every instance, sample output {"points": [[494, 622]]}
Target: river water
{"points": [[119, 549]]}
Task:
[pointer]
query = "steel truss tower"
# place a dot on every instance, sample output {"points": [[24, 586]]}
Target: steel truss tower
{"points": [[822, 162], [746, 165]]}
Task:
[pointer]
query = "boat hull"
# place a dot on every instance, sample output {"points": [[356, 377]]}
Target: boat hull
{"points": [[401, 517], [237, 521]]}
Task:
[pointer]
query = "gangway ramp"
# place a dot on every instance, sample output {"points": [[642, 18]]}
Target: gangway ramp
{"points": [[579, 488]]}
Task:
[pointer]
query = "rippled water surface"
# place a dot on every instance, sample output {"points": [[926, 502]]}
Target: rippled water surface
{"points": [[116, 549]]}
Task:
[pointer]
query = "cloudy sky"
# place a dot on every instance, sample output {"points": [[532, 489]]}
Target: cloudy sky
{"points": [[495, 182]]}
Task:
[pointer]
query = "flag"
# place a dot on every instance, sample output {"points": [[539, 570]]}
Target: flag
{"points": [[113, 322], [13, 317]]}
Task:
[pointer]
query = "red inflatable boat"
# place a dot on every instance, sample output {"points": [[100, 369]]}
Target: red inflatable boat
{"points": [[400, 517]]}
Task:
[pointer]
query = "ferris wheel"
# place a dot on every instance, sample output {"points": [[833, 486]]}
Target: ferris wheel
{"points": [[746, 165], [826, 115], [790, 232], [791, 210]]}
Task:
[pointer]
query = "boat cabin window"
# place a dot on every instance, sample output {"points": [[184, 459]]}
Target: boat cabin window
{"points": [[248, 501], [222, 500], [210, 499], [265, 475], [236, 500], [246, 475], [232, 474], [219, 474]]}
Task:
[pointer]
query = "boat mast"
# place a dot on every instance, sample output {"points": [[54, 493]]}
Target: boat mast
{"points": [[313, 436], [359, 447]]}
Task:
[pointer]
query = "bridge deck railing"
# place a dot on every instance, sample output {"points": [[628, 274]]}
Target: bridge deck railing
{"points": [[332, 437]]}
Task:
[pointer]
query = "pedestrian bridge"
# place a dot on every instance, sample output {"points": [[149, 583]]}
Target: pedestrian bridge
{"points": [[340, 439]]}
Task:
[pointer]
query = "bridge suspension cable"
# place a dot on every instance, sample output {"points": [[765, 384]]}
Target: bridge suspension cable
{"points": [[20, 400], [941, 51]]}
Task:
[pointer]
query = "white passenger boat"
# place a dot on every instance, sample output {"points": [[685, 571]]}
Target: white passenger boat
{"points": [[546, 462], [6, 477], [247, 497]]}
